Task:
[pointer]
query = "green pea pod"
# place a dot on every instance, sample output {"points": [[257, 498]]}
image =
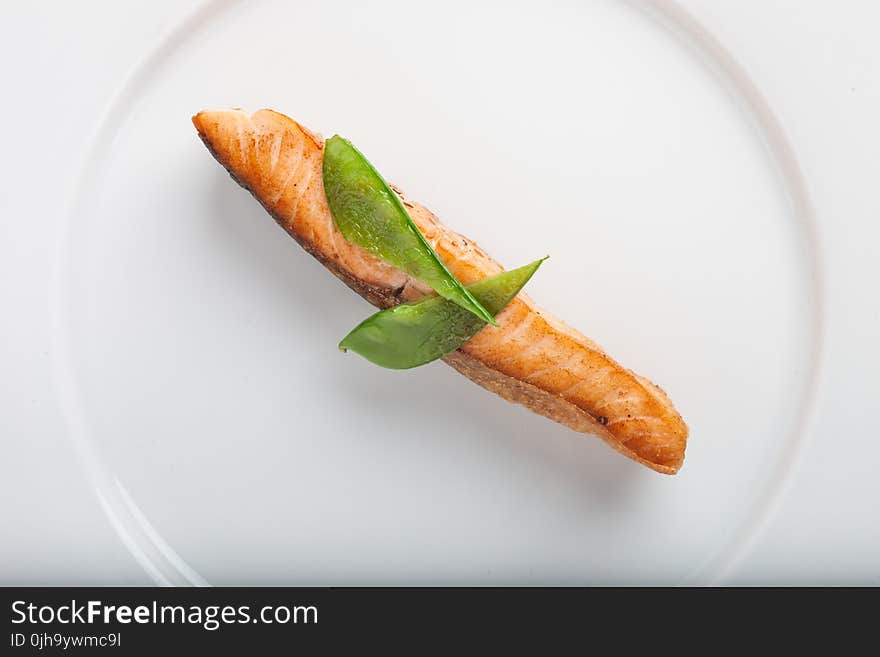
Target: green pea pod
{"points": [[368, 213], [413, 334]]}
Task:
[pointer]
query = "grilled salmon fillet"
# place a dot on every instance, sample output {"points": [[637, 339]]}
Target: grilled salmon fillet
{"points": [[531, 358]]}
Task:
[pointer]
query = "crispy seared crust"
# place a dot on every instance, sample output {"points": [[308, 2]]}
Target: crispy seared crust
{"points": [[660, 449], [543, 403]]}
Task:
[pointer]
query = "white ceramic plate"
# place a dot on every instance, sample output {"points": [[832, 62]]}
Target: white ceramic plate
{"points": [[231, 442]]}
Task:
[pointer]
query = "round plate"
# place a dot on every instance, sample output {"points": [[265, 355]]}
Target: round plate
{"points": [[229, 440]]}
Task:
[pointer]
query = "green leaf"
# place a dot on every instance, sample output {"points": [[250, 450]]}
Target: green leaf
{"points": [[413, 334], [368, 213]]}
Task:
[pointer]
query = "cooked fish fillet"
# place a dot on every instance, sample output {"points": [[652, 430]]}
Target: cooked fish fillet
{"points": [[531, 358]]}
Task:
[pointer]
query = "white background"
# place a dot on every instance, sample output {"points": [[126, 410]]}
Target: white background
{"points": [[818, 63]]}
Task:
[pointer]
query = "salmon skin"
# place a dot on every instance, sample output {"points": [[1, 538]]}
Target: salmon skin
{"points": [[531, 358]]}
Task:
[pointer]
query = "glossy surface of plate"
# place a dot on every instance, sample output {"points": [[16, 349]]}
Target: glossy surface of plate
{"points": [[231, 442]]}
